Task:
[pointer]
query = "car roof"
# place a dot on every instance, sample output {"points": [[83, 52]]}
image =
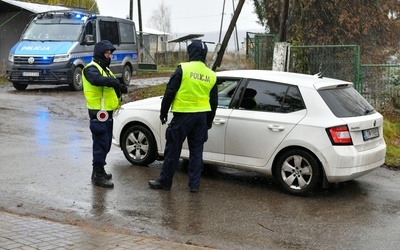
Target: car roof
{"points": [[286, 77]]}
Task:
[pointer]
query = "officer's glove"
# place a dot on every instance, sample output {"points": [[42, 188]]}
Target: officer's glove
{"points": [[163, 118], [209, 125], [114, 83], [210, 119], [123, 88]]}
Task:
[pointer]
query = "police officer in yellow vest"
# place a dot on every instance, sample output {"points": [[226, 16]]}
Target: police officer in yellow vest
{"points": [[192, 95], [103, 95]]}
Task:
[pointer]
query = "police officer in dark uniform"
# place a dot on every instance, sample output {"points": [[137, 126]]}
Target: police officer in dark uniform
{"points": [[192, 95], [103, 95]]}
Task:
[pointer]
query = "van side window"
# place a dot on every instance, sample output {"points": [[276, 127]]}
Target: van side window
{"points": [[109, 31], [127, 31], [90, 29]]}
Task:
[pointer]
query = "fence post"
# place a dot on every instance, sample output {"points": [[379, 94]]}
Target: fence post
{"points": [[281, 51], [357, 68]]}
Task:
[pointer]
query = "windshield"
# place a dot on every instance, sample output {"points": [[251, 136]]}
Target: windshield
{"points": [[52, 32]]}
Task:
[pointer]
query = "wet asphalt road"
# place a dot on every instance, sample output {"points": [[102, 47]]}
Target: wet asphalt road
{"points": [[45, 172]]}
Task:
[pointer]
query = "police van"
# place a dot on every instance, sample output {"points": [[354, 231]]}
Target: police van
{"points": [[56, 45]]}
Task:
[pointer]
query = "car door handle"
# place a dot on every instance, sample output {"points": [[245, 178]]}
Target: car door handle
{"points": [[276, 127], [219, 121]]}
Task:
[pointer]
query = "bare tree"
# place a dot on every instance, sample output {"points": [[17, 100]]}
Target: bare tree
{"points": [[161, 18]]}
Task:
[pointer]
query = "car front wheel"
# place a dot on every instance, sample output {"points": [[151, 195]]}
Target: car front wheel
{"points": [[297, 172], [139, 146]]}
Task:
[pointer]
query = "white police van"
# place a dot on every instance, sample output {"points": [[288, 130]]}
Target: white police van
{"points": [[56, 45]]}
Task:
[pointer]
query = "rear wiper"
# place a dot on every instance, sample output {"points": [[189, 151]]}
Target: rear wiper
{"points": [[367, 111]]}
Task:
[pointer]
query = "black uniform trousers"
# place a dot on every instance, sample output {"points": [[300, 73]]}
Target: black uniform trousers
{"points": [[190, 126]]}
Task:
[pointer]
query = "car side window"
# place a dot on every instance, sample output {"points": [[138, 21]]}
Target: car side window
{"points": [[271, 97], [226, 90]]}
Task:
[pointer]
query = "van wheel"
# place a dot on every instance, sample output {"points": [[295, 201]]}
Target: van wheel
{"points": [[76, 83], [19, 86], [126, 75]]}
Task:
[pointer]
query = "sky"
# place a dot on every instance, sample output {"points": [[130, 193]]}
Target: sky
{"points": [[188, 16]]}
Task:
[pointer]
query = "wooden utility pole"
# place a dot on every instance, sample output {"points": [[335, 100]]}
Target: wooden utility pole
{"points": [[228, 34], [222, 21], [131, 10], [282, 48], [140, 17], [284, 20]]}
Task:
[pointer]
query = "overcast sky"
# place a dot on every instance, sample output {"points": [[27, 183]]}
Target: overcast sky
{"points": [[187, 16]]}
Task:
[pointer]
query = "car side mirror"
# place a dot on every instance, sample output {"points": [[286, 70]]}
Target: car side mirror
{"points": [[89, 40]]}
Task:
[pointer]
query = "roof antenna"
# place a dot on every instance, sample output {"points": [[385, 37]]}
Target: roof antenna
{"points": [[320, 71]]}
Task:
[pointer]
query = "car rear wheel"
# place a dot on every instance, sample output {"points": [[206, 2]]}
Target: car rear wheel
{"points": [[297, 172], [139, 146]]}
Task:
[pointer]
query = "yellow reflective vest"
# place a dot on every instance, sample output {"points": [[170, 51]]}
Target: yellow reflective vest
{"points": [[94, 94], [194, 93]]}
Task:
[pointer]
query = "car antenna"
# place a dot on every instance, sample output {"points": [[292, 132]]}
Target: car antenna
{"points": [[321, 73]]}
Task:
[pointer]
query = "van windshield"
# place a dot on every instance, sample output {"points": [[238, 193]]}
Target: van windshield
{"points": [[52, 32]]}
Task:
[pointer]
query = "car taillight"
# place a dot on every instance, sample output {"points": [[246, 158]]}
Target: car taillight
{"points": [[339, 135]]}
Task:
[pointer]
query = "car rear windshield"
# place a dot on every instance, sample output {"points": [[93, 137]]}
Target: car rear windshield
{"points": [[346, 102]]}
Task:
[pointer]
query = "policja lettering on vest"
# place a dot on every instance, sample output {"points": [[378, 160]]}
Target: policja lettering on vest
{"points": [[200, 77]]}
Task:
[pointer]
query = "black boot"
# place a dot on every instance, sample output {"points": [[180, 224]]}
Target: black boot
{"points": [[107, 176], [100, 177]]}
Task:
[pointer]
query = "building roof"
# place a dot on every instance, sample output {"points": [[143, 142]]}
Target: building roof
{"points": [[153, 31], [186, 38], [35, 7]]}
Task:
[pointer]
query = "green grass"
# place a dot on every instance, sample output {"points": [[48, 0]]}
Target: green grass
{"points": [[391, 132], [3, 80], [144, 93], [161, 72]]}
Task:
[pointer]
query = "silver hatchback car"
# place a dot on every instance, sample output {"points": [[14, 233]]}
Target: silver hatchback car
{"points": [[301, 129]]}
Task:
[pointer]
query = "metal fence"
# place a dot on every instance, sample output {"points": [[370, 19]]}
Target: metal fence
{"points": [[378, 83], [260, 47], [381, 86], [334, 61]]}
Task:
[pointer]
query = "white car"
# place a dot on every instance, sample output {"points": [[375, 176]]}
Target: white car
{"points": [[303, 130]]}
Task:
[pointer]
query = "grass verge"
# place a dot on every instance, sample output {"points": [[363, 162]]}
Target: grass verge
{"points": [[391, 131]]}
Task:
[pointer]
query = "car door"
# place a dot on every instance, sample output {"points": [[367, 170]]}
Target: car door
{"points": [[214, 147], [263, 114]]}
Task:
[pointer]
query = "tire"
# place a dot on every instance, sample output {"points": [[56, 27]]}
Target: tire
{"points": [[19, 86], [77, 83], [126, 75], [297, 172], [139, 146]]}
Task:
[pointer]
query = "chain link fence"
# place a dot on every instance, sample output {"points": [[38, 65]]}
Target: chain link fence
{"points": [[378, 83], [381, 86]]}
